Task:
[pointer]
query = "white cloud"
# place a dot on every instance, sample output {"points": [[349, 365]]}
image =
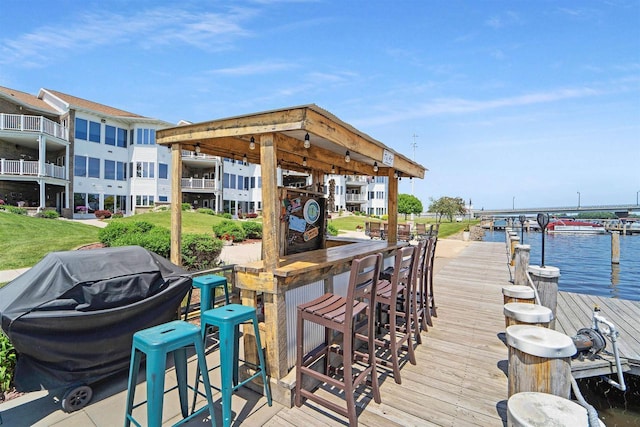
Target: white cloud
{"points": [[254, 68]]}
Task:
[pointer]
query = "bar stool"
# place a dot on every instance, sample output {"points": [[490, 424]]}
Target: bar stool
{"points": [[207, 285], [228, 319], [344, 315], [156, 342]]}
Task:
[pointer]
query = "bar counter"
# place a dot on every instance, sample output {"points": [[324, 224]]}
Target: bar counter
{"points": [[297, 279]]}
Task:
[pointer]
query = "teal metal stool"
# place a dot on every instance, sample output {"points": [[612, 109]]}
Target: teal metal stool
{"points": [[156, 342], [207, 285], [228, 319]]}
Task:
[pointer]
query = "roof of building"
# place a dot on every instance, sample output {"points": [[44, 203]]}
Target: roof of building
{"points": [[76, 102], [26, 99]]}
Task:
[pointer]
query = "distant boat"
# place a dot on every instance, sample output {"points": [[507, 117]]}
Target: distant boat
{"points": [[572, 226]]}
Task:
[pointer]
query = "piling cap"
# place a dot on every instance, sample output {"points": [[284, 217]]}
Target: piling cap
{"points": [[545, 271], [533, 409], [540, 342], [518, 291], [528, 313]]}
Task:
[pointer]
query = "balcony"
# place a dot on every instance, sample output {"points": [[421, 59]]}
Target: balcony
{"points": [[357, 180], [355, 198], [31, 168], [191, 155], [23, 123], [208, 185]]}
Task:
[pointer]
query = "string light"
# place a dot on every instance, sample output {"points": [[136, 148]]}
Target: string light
{"points": [[252, 144], [198, 148], [333, 169], [375, 166], [307, 142], [347, 157], [304, 161], [244, 159]]}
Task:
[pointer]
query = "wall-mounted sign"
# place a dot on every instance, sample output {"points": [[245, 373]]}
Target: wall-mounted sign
{"points": [[311, 211], [387, 158]]}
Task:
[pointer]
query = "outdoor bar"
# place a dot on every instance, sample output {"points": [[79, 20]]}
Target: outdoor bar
{"points": [[298, 262]]}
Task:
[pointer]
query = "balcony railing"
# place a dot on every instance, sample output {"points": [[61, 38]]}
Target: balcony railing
{"points": [[31, 168], [199, 184], [357, 180], [21, 122], [186, 154], [356, 198]]}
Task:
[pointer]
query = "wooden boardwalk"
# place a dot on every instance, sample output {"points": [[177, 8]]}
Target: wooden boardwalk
{"points": [[574, 312], [460, 378]]}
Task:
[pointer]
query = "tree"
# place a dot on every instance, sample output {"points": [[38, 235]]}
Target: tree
{"points": [[408, 204], [448, 206]]}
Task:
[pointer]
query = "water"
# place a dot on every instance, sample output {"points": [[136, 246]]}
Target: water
{"points": [[585, 262], [585, 267]]}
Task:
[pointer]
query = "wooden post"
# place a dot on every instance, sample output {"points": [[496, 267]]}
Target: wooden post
{"points": [[515, 240], [270, 202], [522, 264], [539, 360], [615, 247], [176, 204], [546, 281], [392, 208]]}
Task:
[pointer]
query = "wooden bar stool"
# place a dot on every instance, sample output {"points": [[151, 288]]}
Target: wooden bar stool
{"points": [[343, 315], [156, 342], [398, 320], [228, 319]]}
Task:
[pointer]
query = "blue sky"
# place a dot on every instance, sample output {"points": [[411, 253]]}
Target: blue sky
{"points": [[521, 103]]}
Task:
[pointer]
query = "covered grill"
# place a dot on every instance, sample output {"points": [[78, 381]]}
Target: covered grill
{"points": [[72, 316]]}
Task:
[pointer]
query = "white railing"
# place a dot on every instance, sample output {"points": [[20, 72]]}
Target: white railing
{"points": [[31, 168], [355, 198], [357, 179], [21, 122], [199, 184], [186, 154]]}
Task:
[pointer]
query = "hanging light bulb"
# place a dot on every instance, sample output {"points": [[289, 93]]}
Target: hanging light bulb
{"points": [[252, 144], [304, 161], [395, 174], [280, 164], [333, 169], [244, 159], [307, 142], [375, 166], [198, 148], [347, 157]]}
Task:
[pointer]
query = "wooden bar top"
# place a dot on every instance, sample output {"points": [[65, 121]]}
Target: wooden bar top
{"points": [[306, 262]]}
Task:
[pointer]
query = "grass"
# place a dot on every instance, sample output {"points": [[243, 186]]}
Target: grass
{"points": [[192, 222], [25, 240], [349, 223]]}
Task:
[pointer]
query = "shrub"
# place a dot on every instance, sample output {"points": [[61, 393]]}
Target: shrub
{"points": [[117, 229], [186, 207], [156, 240], [199, 251], [229, 228], [7, 362], [384, 217], [117, 214], [252, 230], [15, 210], [206, 211], [332, 230], [227, 215], [102, 213], [48, 214]]}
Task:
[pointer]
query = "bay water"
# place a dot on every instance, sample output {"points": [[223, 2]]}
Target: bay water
{"points": [[585, 267]]}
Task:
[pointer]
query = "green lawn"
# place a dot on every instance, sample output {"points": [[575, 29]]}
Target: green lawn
{"points": [[25, 240], [349, 223], [192, 222]]}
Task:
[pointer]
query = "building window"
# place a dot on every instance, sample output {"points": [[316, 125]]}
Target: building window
{"points": [[94, 167], [225, 180], [163, 198], [259, 182], [144, 200], [121, 171], [94, 132], [380, 195], [80, 166], [109, 170], [145, 169], [122, 138], [81, 129], [93, 202], [163, 170], [253, 182], [146, 137], [110, 135], [232, 181], [246, 182]]}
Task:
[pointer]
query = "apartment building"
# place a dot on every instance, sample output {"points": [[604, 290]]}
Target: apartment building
{"points": [[62, 152]]}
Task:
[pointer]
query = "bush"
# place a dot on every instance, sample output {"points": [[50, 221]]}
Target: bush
{"points": [[252, 230], [48, 214], [186, 207], [227, 215], [199, 251], [15, 210], [117, 214], [102, 214], [7, 362], [206, 211], [228, 228], [332, 230], [117, 229], [384, 217]]}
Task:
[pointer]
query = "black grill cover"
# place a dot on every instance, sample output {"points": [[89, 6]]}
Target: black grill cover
{"points": [[72, 316]]}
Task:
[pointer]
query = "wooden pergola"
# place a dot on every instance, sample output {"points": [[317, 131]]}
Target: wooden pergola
{"points": [[278, 139]]}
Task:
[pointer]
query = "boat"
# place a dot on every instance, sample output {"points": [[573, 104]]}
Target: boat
{"points": [[573, 226]]}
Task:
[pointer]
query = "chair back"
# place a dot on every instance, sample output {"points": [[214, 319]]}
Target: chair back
{"points": [[363, 280], [404, 232], [375, 229], [403, 269]]}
